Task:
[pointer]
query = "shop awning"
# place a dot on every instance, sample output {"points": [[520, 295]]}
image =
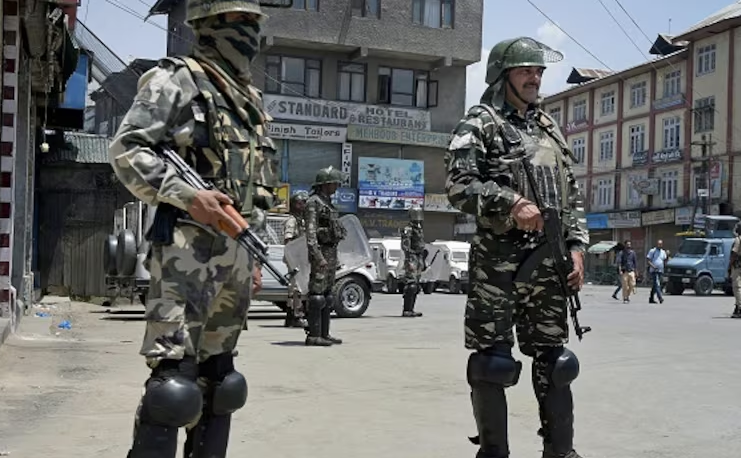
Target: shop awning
{"points": [[602, 247]]}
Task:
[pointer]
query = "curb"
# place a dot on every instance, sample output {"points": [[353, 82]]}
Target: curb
{"points": [[4, 329]]}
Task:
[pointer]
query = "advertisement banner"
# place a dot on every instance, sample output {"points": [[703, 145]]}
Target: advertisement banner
{"points": [[345, 199], [328, 134], [438, 203], [657, 217], [347, 164], [392, 184], [343, 113], [397, 136]]}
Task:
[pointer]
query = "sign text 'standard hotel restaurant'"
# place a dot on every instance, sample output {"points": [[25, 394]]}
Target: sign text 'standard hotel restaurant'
{"points": [[391, 157]]}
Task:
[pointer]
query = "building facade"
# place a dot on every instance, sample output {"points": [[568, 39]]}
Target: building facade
{"points": [[43, 88], [374, 89], [641, 136]]}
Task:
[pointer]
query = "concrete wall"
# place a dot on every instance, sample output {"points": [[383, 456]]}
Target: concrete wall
{"points": [[334, 24]]}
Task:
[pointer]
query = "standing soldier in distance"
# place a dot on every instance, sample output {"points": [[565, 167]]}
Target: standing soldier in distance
{"points": [[323, 233], [205, 107], [293, 228], [413, 245], [486, 178], [734, 271]]}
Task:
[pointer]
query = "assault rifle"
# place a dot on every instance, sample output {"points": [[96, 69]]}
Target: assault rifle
{"points": [[167, 215], [554, 247]]}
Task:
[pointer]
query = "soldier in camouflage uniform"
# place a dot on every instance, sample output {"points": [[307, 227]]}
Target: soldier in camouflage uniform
{"points": [[205, 107], [293, 228], [323, 233], [734, 271], [486, 178], [413, 246]]}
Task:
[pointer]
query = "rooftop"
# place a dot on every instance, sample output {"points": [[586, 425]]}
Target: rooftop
{"points": [[77, 147], [728, 13]]}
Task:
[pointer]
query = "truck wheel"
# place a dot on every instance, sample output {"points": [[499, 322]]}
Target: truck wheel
{"points": [[126, 253], [674, 288], [391, 285], [704, 285], [454, 285], [109, 254], [352, 296]]}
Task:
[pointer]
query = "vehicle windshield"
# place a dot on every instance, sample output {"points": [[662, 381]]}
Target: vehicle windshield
{"points": [[692, 249], [394, 255], [460, 256]]}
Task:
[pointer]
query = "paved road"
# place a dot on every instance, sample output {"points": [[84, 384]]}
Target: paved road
{"points": [[657, 381]]}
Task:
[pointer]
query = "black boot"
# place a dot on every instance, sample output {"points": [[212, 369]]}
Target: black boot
{"points": [[736, 312], [410, 298], [556, 408], [326, 320], [490, 412], [314, 328], [290, 318]]}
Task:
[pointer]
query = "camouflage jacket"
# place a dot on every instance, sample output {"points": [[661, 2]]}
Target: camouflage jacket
{"points": [[293, 228], [484, 176], [412, 240], [170, 107], [323, 227]]}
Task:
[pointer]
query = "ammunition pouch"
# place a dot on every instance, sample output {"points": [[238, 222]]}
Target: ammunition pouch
{"points": [[161, 233]]}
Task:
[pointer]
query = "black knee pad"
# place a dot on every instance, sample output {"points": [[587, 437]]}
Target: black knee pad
{"points": [[230, 394], [411, 289], [228, 388], [329, 300], [497, 367], [316, 302], [172, 396], [563, 366]]}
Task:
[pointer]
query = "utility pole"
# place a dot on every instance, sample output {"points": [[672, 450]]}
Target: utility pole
{"points": [[706, 146]]}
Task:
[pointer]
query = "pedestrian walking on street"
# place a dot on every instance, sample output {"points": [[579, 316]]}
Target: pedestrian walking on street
{"points": [[205, 108], [734, 271], [618, 259], [486, 178], [656, 259], [628, 263], [413, 246], [324, 232]]}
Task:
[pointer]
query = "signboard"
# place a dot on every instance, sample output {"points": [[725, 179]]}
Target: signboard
{"points": [[283, 192], [383, 223], [345, 199], [393, 184], [657, 217], [327, 134], [332, 112], [716, 179], [438, 203], [622, 220], [346, 164], [644, 185], [597, 221], [683, 215], [397, 136], [667, 155]]}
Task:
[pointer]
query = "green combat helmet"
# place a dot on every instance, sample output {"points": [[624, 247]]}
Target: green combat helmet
{"points": [[416, 214], [518, 52], [328, 175], [301, 196], [201, 9]]}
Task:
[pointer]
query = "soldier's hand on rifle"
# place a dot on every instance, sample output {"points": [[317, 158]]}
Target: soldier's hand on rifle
{"points": [[527, 216], [207, 208], [576, 277], [256, 279]]}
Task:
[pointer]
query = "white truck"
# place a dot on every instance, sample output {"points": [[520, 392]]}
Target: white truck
{"points": [[450, 266]]}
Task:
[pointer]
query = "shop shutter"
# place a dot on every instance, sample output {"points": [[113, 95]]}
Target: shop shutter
{"points": [[306, 158]]}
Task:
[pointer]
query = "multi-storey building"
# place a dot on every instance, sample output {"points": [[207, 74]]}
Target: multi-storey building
{"points": [[373, 88], [638, 134]]}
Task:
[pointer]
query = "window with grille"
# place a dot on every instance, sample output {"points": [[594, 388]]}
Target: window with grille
{"points": [[704, 114], [669, 186], [672, 132], [607, 103], [637, 138], [579, 149], [433, 13], [606, 146], [672, 83], [580, 111], [638, 94], [409, 88], [366, 8], [706, 59], [352, 79]]}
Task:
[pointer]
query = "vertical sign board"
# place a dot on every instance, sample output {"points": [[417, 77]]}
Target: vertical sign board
{"points": [[347, 164]]}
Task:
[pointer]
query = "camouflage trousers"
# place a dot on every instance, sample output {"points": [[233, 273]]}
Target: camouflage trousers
{"points": [[198, 297], [496, 303], [294, 299], [321, 279], [413, 265]]}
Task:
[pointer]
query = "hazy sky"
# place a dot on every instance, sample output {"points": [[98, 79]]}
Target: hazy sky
{"points": [[585, 20]]}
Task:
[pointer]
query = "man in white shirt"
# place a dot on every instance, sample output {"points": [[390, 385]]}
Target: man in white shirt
{"points": [[656, 259]]}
